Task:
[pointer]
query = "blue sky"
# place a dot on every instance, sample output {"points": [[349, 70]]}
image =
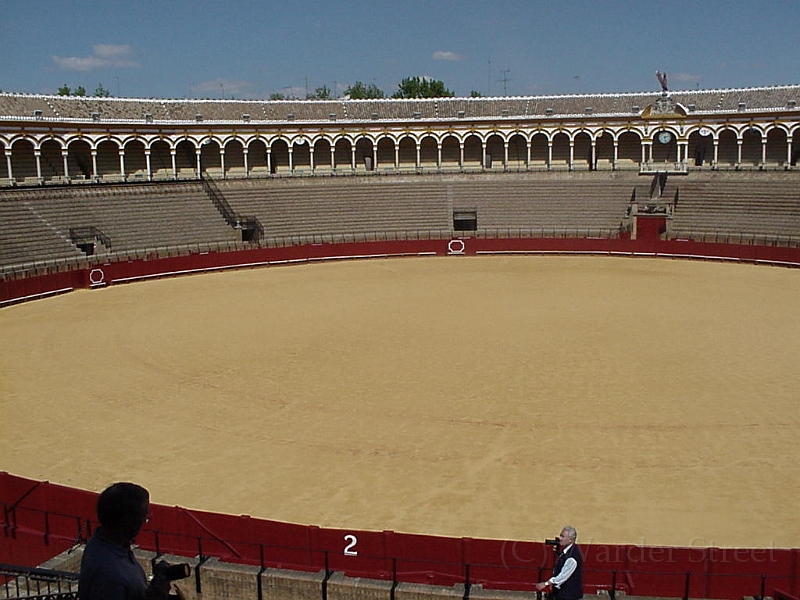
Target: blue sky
{"points": [[250, 49]]}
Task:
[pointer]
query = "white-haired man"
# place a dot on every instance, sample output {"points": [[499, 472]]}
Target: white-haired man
{"points": [[567, 579]]}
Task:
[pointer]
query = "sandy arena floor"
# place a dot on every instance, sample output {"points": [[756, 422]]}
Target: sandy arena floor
{"points": [[643, 401]]}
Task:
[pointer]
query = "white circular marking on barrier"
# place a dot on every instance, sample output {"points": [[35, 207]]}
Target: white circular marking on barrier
{"points": [[96, 276], [456, 247]]}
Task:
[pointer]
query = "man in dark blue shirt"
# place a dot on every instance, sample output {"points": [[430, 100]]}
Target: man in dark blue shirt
{"points": [[109, 570]]}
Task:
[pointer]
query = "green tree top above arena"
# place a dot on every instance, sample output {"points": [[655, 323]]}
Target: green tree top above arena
{"points": [[422, 87], [409, 87], [99, 92], [65, 90], [360, 91]]}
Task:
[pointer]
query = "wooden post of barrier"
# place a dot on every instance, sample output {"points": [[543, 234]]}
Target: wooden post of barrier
{"points": [[79, 536], [260, 572], [200, 561], [46, 528], [326, 578], [612, 593], [394, 578], [686, 585], [12, 512], [540, 576]]}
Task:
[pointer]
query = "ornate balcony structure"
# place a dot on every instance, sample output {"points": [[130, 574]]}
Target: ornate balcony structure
{"points": [[57, 139]]}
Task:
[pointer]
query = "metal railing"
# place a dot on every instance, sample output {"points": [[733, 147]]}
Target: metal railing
{"points": [[81, 235], [248, 223], [18, 582]]}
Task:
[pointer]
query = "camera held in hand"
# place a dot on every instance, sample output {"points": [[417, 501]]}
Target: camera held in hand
{"points": [[171, 572], [552, 542]]}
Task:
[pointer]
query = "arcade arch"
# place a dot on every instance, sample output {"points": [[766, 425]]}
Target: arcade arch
{"points": [[232, 163], [540, 151], [517, 153], [300, 156], [211, 158], [750, 154], [5, 176], [629, 149], [257, 158], [364, 159], [473, 152], [559, 151], [52, 160], [161, 161], [407, 157], [451, 153], [604, 151], [342, 154], [582, 151], [429, 153], [727, 149], [495, 152], [135, 161]]}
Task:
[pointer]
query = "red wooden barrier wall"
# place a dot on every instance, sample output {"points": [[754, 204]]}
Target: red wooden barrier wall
{"points": [[124, 272], [40, 520]]}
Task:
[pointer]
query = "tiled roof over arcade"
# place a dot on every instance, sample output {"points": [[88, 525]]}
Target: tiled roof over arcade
{"points": [[69, 108]]}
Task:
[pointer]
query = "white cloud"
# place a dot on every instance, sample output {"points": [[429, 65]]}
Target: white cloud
{"points": [[73, 63], [684, 77], [111, 50], [222, 88], [103, 55], [443, 55], [293, 92]]}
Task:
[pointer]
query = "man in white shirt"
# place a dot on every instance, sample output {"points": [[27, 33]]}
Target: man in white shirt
{"points": [[567, 579]]}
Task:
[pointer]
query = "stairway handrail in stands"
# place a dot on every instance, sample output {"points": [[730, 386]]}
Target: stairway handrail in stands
{"points": [[249, 223]]}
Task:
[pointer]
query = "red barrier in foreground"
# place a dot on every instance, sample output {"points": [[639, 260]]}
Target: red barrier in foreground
{"points": [[40, 520]]}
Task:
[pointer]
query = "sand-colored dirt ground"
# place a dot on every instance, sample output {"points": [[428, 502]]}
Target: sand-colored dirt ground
{"points": [[644, 401]]}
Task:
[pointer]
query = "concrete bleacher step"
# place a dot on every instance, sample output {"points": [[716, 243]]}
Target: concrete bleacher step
{"points": [[36, 221], [734, 204]]}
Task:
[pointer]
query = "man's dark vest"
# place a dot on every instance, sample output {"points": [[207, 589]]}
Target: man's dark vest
{"points": [[572, 588]]}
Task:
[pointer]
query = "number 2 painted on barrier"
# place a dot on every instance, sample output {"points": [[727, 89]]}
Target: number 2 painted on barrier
{"points": [[349, 549]]}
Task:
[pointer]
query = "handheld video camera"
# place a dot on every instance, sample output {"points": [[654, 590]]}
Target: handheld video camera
{"points": [[171, 572], [552, 542]]}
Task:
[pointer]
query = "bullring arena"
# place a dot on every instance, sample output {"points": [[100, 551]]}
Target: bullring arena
{"points": [[515, 348], [430, 395]]}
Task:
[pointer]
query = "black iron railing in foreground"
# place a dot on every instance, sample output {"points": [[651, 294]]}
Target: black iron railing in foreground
{"points": [[35, 583]]}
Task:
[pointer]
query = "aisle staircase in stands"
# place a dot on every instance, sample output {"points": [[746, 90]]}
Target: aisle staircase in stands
{"points": [[250, 226]]}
